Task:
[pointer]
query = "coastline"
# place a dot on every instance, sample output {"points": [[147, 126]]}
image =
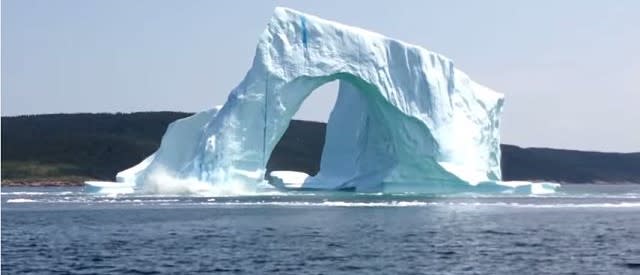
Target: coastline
{"points": [[46, 182]]}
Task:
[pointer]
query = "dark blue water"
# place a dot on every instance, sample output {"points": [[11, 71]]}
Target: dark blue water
{"points": [[587, 229]]}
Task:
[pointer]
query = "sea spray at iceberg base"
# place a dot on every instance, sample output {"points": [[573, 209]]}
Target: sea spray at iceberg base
{"points": [[406, 120]]}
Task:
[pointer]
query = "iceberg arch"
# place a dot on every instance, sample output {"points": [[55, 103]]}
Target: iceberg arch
{"points": [[406, 119]]}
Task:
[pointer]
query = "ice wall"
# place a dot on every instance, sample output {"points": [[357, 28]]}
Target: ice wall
{"points": [[405, 120]]}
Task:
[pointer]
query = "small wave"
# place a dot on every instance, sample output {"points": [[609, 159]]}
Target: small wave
{"points": [[26, 193], [585, 205], [145, 201], [327, 203], [20, 200], [589, 196], [423, 204]]}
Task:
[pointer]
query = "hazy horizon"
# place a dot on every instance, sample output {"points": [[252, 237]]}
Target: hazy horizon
{"points": [[569, 70]]}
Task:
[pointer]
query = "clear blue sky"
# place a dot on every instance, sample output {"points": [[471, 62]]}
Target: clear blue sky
{"points": [[570, 69]]}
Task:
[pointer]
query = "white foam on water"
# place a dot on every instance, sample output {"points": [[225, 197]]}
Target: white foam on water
{"points": [[221, 201], [163, 183], [20, 200]]}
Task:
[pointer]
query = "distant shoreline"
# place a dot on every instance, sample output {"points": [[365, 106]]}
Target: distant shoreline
{"points": [[69, 149], [46, 182]]}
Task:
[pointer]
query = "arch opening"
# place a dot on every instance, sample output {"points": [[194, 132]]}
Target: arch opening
{"points": [[359, 144], [300, 147]]}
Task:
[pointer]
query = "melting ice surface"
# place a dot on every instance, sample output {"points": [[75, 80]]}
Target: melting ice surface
{"points": [[406, 120]]}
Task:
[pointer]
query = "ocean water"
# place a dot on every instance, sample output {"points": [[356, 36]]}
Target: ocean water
{"points": [[583, 229]]}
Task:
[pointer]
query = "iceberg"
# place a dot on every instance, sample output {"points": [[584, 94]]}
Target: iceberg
{"points": [[405, 120]]}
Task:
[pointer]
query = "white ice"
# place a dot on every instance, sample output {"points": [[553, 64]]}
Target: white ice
{"points": [[406, 119]]}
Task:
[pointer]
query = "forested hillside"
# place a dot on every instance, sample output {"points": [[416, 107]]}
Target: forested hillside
{"points": [[73, 147]]}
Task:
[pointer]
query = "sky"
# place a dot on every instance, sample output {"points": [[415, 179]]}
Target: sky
{"points": [[570, 70]]}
